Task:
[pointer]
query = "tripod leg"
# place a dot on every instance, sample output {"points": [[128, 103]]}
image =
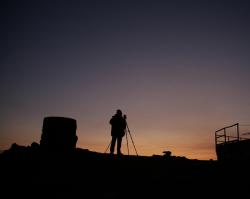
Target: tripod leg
{"points": [[132, 140], [127, 142], [107, 147]]}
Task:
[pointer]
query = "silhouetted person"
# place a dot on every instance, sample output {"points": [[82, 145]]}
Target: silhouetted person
{"points": [[118, 123]]}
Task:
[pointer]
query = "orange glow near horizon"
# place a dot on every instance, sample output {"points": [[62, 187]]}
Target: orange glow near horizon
{"points": [[146, 143], [192, 138]]}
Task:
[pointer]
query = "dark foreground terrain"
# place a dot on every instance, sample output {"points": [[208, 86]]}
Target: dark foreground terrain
{"points": [[30, 173]]}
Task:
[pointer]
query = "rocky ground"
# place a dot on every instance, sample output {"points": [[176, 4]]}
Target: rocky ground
{"points": [[30, 172]]}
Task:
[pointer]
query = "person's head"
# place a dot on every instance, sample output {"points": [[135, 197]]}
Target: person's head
{"points": [[119, 112]]}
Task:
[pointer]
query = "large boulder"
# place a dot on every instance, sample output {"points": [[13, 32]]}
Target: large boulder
{"points": [[58, 133]]}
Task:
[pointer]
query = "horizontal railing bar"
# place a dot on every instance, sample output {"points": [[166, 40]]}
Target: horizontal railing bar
{"points": [[227, 127]]}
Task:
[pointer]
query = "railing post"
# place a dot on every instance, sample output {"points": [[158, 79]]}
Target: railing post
{"points": [[215, 138], [238, 131], [225, 137]]}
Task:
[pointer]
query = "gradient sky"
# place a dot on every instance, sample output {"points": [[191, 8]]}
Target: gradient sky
{"points": [[178, 69]]}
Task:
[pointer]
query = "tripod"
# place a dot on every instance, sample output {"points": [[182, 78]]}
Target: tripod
{"points": [[127, 131]]}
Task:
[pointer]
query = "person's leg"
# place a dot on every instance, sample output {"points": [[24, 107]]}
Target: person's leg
{"points": [[112, 147], [119, 144]]}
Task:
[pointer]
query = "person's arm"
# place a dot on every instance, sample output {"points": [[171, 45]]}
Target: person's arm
{"points": [[111, 120]]}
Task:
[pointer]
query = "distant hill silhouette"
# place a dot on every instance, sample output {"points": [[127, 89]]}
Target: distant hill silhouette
{"points": [[31, 171]]}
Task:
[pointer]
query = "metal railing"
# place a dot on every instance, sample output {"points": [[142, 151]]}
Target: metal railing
{"points": [[221, 136]]}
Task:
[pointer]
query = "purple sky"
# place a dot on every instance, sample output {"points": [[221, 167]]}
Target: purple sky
{"points": [[178, 69]]}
